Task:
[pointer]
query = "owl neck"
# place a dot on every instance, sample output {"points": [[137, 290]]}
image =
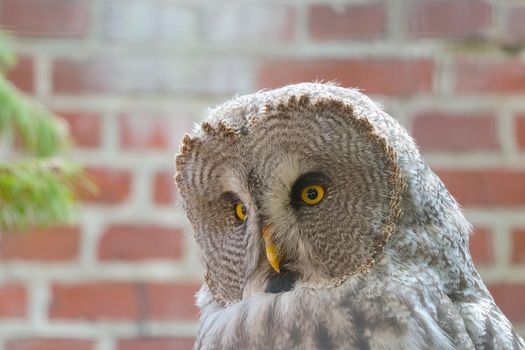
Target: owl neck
{"points": [[434, 233]]}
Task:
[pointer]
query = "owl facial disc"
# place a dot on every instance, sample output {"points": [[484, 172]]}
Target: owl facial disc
{"points": [[303, 173]]}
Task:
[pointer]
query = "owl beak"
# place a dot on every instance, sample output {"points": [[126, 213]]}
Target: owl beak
{"points": [[271, 252]]}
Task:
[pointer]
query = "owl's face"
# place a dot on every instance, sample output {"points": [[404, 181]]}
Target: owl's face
{"points": [[298, 192]]}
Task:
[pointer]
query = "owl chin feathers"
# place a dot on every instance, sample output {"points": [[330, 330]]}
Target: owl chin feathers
{"points": [[280, 282]]}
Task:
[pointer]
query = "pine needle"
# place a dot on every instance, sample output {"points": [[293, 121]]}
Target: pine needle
{"points": [[38, 193], [39, 131]]}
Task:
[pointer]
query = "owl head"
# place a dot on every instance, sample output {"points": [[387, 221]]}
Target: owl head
{"points": [[305, 185]]}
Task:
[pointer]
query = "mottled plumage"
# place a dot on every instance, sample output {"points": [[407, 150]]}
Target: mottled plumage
{"points": [[381, 262]]}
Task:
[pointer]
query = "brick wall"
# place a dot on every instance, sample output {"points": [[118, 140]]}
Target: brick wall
{"points": [[130, 76]]}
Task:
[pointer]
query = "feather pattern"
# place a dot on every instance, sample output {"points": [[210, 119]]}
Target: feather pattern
{"points": [[382, 262]]}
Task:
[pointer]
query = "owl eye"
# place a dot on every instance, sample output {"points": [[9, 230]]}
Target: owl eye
{"points": [[240, 211], [312, 194]]}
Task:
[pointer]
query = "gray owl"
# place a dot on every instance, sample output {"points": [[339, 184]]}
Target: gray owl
{"points": [[321, 227]]}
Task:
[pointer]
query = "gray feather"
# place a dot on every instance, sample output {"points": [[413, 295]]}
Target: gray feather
{"points": [[382, 262]]}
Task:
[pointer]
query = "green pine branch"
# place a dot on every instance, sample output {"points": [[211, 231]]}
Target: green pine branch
{"points": [[39, 131], [37, 191]]}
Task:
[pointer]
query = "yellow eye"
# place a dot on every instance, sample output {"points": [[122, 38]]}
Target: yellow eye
{"points": [[240, 211], [312, 194]]}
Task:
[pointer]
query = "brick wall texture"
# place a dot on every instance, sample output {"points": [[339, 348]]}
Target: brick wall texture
{"points": [[130, 76]]}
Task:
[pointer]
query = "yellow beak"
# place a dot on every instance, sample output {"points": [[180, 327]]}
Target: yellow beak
{"points": [[271, 252]]}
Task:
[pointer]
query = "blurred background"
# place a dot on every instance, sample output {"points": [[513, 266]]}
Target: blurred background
{"points": [[131, 76]]}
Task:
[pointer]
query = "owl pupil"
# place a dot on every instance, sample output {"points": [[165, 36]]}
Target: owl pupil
{"points": [[312, 194]]}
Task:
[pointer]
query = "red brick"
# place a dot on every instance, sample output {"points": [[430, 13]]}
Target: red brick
{"points": [[124, 301], [481, 247], [374, 75], [514, 24], [56, 18], [172, 301], [504, 76], [49, 344], [156, 344], [448, 18], [95, 301], [519, 127], [13, 301], [22, 75], [486, 187], [518, 246], [128, 242], [142, 133], [146, 130], [113, 185], [84, 127], [260, 22], [164, 191], [509, 298], [71, 76], [133, 74], [444, 131], [50, 244], [366, 21]]}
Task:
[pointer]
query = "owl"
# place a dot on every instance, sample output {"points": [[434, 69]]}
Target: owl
{"points": [[321, 227]]}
